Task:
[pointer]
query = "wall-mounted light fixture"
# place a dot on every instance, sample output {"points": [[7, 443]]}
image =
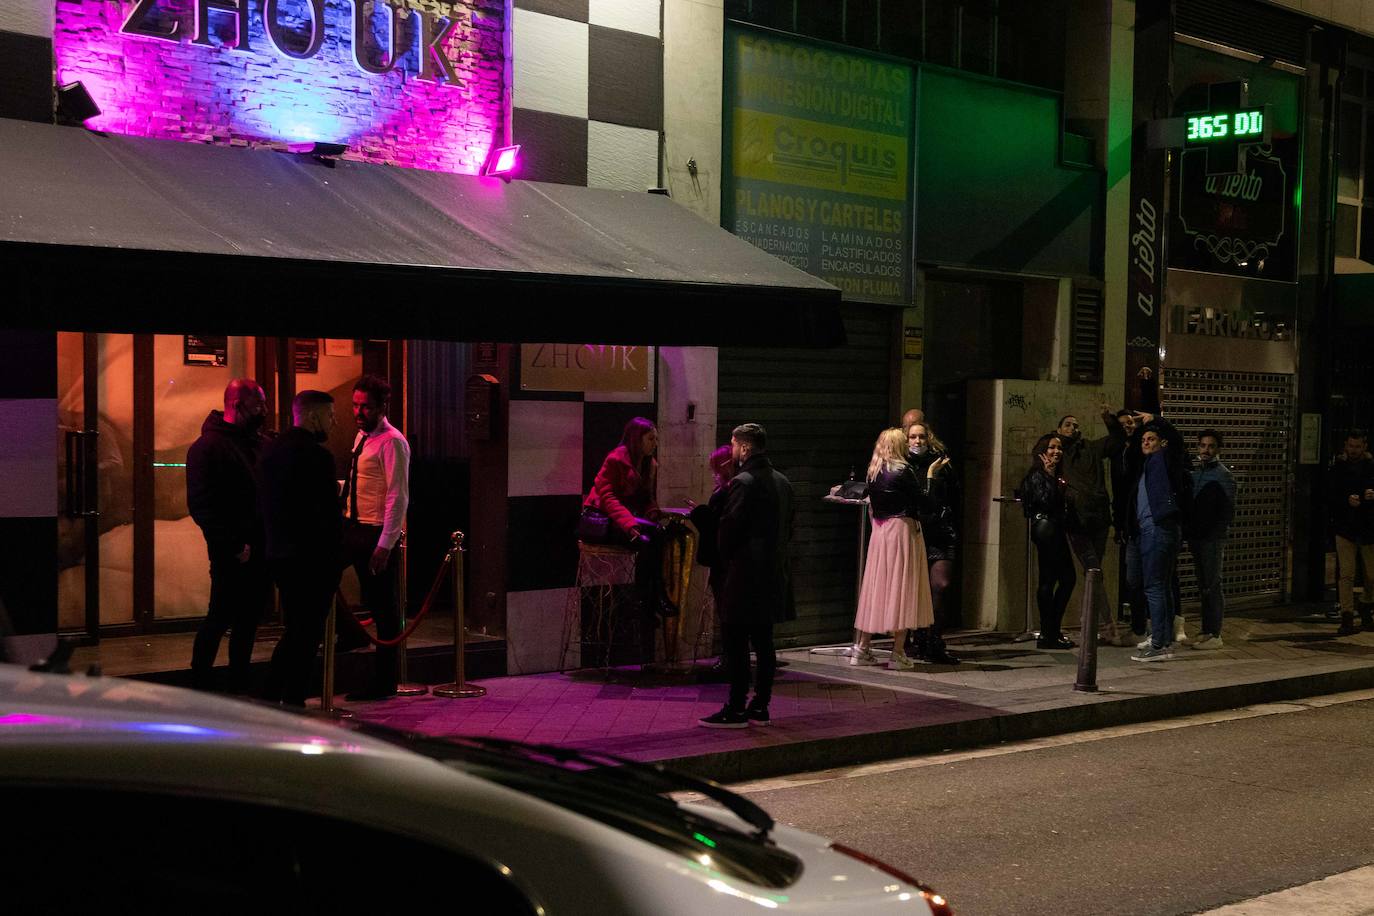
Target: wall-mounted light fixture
{"points": [[502, 162], [74, 103]]}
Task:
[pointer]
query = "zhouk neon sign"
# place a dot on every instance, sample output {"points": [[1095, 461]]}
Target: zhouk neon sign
{"points": [[432, 30]]}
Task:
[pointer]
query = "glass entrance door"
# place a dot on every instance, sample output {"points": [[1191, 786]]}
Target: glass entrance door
{"points": [[95, 481], [130, 557]]}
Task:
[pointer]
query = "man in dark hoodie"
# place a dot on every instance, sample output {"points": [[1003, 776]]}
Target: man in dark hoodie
{"points": [[299, 502], [1350, 500], [1090, 509], [222, 497]]}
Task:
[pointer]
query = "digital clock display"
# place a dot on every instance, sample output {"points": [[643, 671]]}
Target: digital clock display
{"points": [[1228, 125]]}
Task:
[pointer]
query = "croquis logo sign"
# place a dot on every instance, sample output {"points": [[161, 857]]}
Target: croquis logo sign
{"points": [[296, 29]]}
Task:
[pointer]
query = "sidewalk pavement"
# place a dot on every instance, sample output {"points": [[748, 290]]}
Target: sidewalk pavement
{"points": [[829, 714]]}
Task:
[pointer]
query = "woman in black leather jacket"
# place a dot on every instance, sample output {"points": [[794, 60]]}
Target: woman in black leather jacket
{"points": [[895, 595], [1042, 499], [937, 526]]}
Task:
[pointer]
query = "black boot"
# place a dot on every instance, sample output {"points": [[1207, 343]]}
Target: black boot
{"points": [[1347, 624], [939, 654], [920, 645], [1366, 617]]}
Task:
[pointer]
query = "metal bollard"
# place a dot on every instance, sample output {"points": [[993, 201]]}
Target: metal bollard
{"points": [[1087, 655], [459, 689], [404, 687]]}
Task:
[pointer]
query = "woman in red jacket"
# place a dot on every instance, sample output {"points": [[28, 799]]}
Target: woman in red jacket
{"points": [[622, 509]]}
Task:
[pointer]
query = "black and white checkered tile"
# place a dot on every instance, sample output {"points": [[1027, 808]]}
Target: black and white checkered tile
{"points": [[28, 483], [587, 109], [588, 91], [557, 442]]}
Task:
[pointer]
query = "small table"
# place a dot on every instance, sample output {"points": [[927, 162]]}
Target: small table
{"points": [[847, 651]]}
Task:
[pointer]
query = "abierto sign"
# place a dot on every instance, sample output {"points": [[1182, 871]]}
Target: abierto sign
{"points": [[600, 368]]}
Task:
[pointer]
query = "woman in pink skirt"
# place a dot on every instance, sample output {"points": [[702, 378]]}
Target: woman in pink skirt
{"points": [[895, 596]]}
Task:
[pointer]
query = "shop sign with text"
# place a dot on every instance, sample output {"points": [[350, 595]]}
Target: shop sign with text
{"points": [[819, 150], [407, 82], [602, 368]]}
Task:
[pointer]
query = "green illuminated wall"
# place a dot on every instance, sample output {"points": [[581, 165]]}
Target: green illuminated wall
{"points": [[990, 191]]}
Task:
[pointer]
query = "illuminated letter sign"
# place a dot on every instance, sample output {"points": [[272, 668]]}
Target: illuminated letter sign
{"points": [[1246, 126], [240, 10], [279, 36]]}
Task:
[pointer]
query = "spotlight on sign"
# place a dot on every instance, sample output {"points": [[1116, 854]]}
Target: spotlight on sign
{"points": [[502, 162], [74, 102], [328, 149]]}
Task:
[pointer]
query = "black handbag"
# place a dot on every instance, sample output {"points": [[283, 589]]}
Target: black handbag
{"points": [[594, 527], [853, 489]]}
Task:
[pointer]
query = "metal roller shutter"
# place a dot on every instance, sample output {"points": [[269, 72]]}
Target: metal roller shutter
{"points": [[823, 409], [1253, 411]]}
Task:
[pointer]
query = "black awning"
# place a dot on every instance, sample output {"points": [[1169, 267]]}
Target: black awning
{"points": [[121, 234]]}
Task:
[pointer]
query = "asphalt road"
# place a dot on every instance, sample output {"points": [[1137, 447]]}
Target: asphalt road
{"points": [[1177, 817]]}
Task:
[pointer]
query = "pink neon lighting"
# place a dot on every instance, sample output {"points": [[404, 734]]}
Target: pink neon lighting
{"points": [[172, 88]]}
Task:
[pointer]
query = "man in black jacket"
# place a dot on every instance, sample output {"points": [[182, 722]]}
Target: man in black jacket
{"points": [[1090, 509], [754, 531], [222, 496], [1350, 501], [299, 497]]}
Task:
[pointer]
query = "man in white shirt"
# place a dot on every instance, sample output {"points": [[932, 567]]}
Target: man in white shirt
{"points": [[376, 495]]}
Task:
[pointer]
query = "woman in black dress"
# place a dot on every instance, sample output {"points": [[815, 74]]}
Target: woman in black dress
{"points": [[1042, 499], [924, 449]]}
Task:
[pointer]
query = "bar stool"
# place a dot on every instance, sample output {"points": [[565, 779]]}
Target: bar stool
{"points": [[603, 573]]}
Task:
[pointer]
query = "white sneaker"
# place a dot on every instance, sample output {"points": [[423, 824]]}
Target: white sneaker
{"points": [[1209, 642], [1144, 643], [858, 655], [1180, 634], [900, 663]]}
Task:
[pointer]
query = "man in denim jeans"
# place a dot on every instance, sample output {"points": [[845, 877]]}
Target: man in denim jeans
{"points": [[1214, 505], [1159, 502]]}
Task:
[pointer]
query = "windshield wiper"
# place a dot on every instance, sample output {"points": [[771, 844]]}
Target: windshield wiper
{"points": [[654, 776]]}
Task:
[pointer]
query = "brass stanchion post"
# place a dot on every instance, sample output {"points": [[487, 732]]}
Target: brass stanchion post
{"points": [[404, 687], [459, 689]]}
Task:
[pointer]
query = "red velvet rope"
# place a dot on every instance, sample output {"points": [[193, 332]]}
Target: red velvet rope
{"points": [[424, 608]]}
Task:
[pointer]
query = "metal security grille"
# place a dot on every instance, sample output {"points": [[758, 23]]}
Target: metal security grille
{"points": [[1253, 411], [1085, 344], [1245, 25], [822, 409]]}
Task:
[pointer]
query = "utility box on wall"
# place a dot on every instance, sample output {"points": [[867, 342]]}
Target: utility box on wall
{"points": [[480, 399]]}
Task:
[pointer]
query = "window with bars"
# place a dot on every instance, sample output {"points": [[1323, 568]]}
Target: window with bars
{"points": [[1085, 336], [1019, 40]]}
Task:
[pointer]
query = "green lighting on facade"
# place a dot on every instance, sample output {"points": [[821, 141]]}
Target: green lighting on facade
{"points": [[704, 840]]}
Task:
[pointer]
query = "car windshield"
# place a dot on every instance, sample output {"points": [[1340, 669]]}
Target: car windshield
{"points": [[623, 794]]}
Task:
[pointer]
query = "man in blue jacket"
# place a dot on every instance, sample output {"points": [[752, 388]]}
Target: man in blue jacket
{"points": [[1214, 505]]}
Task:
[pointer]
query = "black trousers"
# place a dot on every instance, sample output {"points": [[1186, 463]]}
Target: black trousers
{"points": [[1057, 576], [737, 637], [306, 589], [239, 594], [379, 596]]}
